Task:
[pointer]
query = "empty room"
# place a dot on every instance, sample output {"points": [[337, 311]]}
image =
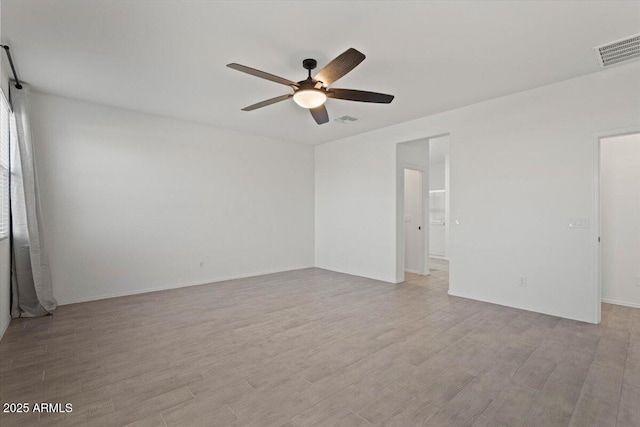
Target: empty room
{"points": [[319, 213]]}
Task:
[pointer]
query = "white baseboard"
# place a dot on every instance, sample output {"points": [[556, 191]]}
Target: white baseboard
{"points": [[4, 328], [62, 301], [520, 307], [623, 303], [428, 273], [350, 273]]}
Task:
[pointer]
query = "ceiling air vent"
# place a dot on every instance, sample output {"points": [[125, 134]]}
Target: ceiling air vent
{"points": [[619, 51], [345, 119]]}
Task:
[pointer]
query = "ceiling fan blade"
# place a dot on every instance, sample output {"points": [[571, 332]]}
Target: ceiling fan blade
{"points": [[320, 114], [262, 74], [360, 96], [267, 102], [340, 66]]}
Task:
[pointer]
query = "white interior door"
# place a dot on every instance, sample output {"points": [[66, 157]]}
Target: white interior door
{"points": [[413, 226], [620, 219]]}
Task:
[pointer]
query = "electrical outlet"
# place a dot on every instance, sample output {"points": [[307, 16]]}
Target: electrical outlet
{"points": [[523, 281]]}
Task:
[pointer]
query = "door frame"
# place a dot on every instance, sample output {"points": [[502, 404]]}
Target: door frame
{"points": [[446, 222], [598, 137], [423, 268]]}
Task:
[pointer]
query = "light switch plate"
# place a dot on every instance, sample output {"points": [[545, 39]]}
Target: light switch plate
{"points": [[578, 222]]}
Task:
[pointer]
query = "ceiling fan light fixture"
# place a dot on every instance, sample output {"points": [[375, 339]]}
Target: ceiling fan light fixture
{"points": [[312, 92], [309, 98]]}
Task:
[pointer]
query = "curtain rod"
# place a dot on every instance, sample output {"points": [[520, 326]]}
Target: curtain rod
{"points": [[13, 69]]}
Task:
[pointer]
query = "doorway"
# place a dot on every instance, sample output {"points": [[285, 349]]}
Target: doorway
{"points": [[439, 209], [439, 197], [619, 219], [412, 236], [413, 208]]}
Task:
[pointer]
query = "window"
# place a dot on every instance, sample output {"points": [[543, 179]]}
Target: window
{"points": [[4, 167]]}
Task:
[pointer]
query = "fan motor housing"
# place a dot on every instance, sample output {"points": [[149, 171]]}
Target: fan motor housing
{"points": [[310, 83]]}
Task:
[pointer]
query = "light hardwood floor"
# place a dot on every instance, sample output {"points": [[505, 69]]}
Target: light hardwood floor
{"points": [[313, 347]]}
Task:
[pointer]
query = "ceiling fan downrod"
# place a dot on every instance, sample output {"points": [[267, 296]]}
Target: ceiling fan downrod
{"points": [[309, 64]]}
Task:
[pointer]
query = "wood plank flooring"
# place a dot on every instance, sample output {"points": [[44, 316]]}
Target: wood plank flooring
{"points": [[313, 347]]}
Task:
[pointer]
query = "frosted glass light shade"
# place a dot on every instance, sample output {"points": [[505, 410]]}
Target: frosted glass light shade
{"points": [[309, 98]]}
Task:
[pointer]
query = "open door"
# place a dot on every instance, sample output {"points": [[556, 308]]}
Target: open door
{"points": [[414, 228], [619, 222]]}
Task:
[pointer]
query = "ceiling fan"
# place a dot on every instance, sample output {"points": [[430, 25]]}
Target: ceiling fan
{"points": [[312, 92]]}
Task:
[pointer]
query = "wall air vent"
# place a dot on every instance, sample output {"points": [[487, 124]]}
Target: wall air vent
{"points": [[345, 119], [618, 52]]}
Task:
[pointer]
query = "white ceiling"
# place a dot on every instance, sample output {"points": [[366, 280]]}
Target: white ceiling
{"points": [[169, 58]]}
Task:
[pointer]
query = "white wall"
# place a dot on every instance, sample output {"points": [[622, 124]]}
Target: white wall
{"points": [[4, 63], [133, 202], [620, 219], [5, 270], [354, 222], [521, 166]]}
